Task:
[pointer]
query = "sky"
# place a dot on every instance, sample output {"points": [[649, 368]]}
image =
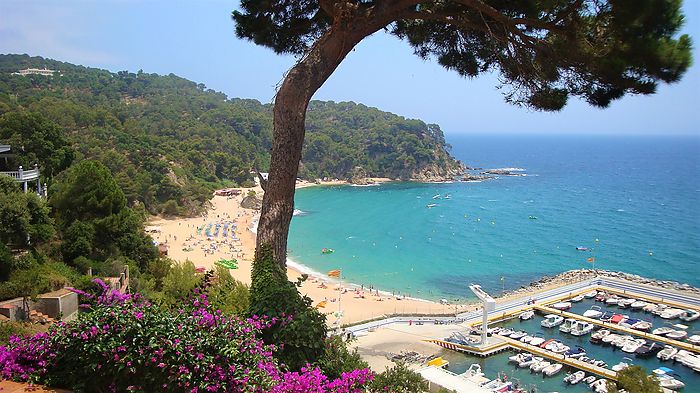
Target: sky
{"points": [[196, 40]]}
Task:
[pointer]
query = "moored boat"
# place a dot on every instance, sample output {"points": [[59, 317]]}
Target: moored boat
{"points": [[575, 352], [539, 366], [589, 379], [694, 339], [593, 312], [667, 353], [631, 345], [561, 305], [648, 350], [518, 335], [624, 363], [599, 386], [677, 334], [638, 305], [671, 313], [552, 320], [642, 326], [575, 378], [581, 328], [576, 299], [662, 331], [552, 369], [590, 295], [689, 315], [566, 326], [524, 316]]}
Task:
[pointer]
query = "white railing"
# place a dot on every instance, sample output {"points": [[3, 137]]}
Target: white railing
{"points": [[14, 174], [22, 175], [4, 148]]}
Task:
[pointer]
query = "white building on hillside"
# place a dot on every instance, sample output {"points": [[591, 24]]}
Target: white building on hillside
{"points": [[35, 71]]}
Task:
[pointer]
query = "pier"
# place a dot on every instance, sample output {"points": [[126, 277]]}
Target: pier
{"points": [[612, 326]]}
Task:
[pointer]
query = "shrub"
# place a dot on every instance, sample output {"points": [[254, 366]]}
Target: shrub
{"points": [[126, 344]]}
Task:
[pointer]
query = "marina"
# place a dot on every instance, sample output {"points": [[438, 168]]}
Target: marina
{"points": [[566, 349]]}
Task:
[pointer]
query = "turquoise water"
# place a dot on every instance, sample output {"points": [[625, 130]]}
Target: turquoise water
{"points": [[634, 201]]}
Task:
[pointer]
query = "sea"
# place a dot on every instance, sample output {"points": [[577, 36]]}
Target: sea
{"points": [[624, 203]]}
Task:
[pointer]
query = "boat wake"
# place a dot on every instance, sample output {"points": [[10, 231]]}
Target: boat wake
{"points": [[298, 212]]}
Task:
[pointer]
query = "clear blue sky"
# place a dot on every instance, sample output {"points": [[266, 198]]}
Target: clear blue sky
{"points": [[195, 39]]}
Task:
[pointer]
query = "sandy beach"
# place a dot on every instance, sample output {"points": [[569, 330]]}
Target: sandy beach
{"points": [[187, 238]]}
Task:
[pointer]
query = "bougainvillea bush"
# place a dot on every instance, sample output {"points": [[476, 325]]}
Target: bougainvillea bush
{"points": [[127, 344]]}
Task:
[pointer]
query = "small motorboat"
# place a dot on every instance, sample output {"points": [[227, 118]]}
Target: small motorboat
{"points": [[632, 345], [648, 350], [552, 320], [638, 305], [625, 303], [599, 386], [650, 307], [599, 335], [327, 251], [606, 317], [601, 296], [694, 339], [558, 347], [526, 339], [581, 328], [561, 306], [662, 331], [689, 315], [518, 357], [677, 334], [589, 379], [539, 366], [524, 316], [506, 332], [608, 339], [612, 300], [666, 377], [626, 362], [617, 318], [576, 299], [620, 341], [593, 312], [628, 323], [537, 340], [525, 363], [546, 343], [430, 205], [575, 378], [495, 330], [518, 335], [581, 248], [643, 326], [552, 369], [687, 358], [575, 352], [599, 363], [590, 295], [566, 326], [667, 353], [671, 313], [660, 308]]}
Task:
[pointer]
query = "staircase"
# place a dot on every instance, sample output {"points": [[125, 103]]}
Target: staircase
{"points": [[38, 317]]}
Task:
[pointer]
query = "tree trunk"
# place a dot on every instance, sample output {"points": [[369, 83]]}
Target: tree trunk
{"points": [[289, 112]]}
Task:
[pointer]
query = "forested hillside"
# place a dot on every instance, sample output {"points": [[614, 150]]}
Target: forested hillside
{"points": [[169, 141]]}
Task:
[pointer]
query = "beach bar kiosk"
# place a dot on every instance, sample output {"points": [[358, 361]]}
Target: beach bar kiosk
{"points": [[489, 305]]}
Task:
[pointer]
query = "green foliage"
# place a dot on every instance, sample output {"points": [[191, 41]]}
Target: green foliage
{"points": [[338, 359], [180, 280], [545, 50], [35, 139], [228, 294], [24, 218], [169, 142], [12, 328], [273, 295], [399, 379], [36, 277], [94, 219], [635, 379]]}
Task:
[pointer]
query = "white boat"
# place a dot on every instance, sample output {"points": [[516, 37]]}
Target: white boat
{"points": [[658, 309], [474, 372], [437, 196], [649, 307], [506, 332], [558, 347], [612, 300], [671, 313], [677, 334], [518, 357], [589, 379], [599, 335], [667, 353], [566, 326], [581, 328], [561, 305], [638, 304], [620, 341], [539, 366], [552, 320], [518, 335], [526, 315], [599, 386], [590, 295], [687, 358], [662, 331], [632, 345], [526, 339], [431, 205], [610, 337], [690, 315], [642, 325], [537, 340], [575, 378], [624, 303], [694, 339], [525, 363], [666, 378], [593, 312], [626, 362], [552, 369], [576, 299]]}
